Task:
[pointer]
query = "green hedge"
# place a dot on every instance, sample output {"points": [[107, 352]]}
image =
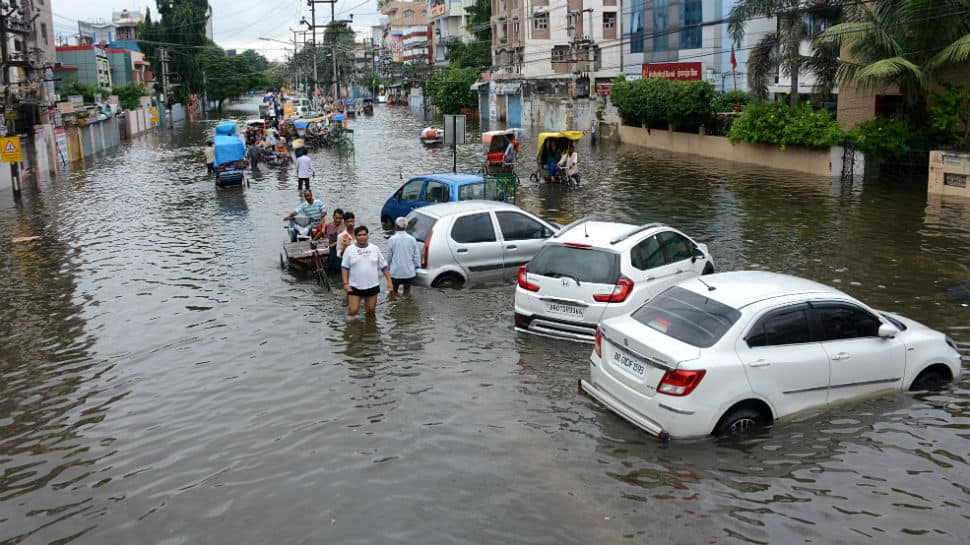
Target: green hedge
{"points": [[656, 102], [779, 124]]}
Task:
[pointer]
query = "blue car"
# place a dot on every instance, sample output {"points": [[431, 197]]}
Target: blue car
{"points": [[434, 188]]}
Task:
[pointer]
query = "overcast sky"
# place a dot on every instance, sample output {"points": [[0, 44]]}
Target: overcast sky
{"points": [[236, 24]]}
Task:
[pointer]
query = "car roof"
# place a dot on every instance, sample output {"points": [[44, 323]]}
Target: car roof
{"points": [[607, 234], [448, 208], [741, 288], [452, 178]]}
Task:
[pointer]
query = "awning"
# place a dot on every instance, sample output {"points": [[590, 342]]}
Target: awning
{"points": [[475, 86]]}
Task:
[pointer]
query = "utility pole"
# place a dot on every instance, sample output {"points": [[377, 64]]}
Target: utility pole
{"points": [[21, 26], [163, 56]]}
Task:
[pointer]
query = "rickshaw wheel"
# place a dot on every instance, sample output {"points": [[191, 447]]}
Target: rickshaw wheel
{"points": [[322, 280], [282, 262]]}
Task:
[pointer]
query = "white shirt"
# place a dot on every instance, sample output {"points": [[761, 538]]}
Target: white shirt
{"points": [[365, 265], [304, 168]]}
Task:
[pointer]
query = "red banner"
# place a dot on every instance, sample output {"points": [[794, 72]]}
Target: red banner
{"points": [[604, 89], [680, 71]]}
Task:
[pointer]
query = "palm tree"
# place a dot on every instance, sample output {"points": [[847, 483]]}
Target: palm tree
{"points": [[902, 43], [781, 48]]}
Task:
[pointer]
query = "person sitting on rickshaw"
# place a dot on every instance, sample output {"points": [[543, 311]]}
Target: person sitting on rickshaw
{"points": [[510, 156], [570, 162], [280, 149], [549, 156]]}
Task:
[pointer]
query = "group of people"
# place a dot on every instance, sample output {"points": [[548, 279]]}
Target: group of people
{"points": [[565, 158], [360, 263], [266, 144]]}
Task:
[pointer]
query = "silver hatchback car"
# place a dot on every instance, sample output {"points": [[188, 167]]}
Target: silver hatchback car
{"points": [[477, 241]]}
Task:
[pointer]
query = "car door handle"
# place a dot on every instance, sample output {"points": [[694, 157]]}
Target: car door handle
{"points": [[841, 356], [511, 247], [462, 250], [760, 363]]}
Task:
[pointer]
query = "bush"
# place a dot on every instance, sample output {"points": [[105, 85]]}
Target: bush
{"points": [[777, 123], [883, 138], [724, 102], [689, 104], [85, 90], [949, 116], [129, 95]]}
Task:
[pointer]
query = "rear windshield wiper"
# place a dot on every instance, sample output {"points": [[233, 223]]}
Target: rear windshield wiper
{"points": [[561, 275]]}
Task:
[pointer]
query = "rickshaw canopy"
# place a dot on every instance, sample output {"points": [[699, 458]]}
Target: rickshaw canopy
{"points": [[489, 138], [301, 123], [569, 135]]}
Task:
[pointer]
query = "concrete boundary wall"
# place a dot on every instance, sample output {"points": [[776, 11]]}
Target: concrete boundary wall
{"points": [[820, 162]]}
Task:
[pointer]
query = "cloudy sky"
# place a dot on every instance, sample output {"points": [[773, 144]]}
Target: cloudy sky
{"points": [[236, 24]]}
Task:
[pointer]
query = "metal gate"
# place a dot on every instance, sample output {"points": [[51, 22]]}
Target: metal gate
{"points": [[514, 118]]}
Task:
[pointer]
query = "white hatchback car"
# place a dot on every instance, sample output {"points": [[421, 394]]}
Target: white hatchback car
{"points": [[722, 353], [593, 270]]}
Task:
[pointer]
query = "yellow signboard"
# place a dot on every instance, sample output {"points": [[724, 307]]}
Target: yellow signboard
{"points": [[10, 149], [153, 115], [288, 109]]}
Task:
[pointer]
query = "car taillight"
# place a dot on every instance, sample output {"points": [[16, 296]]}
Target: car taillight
{"points": [[679, 382], [599, 344], [622, 290], [525, 284], [427, 244]]}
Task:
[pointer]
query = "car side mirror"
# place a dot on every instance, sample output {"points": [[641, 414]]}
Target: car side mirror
{"points": [[887, 331], [698, 254]]}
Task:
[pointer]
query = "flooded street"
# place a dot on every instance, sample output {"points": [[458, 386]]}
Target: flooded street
{"points": [[163, 381]]}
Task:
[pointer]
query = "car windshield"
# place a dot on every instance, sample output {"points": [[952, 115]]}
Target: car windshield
{"points": [[420, 225], [469, 192], [687, 316], [583, 264]]}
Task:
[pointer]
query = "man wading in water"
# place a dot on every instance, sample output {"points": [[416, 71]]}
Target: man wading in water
{"points": [[362, 264]]}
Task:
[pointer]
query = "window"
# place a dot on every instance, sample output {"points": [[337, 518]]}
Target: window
{"points": [[408, 14], [687, 316], [636, 26], [785, 326], [515, 29], [677, 247], [410, 191], [540, 21], [647, 254], [661, 23], [473, 228], [560, 53], [43, 32], [420, 225], [845, 321], [516, 226], [471, 192], [585, 265], [690, 19], [609, 19], [437, 192]]}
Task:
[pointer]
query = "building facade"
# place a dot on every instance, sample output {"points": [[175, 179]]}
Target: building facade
{"points": [[126, 24], [449, 23], [95, 32], [91, 65], [406, 32]]}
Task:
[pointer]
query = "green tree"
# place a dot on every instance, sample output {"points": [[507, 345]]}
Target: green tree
{"points": [[904, 43], [85, 90], [480, 20], [255, 61], [129, 95], [227, 77], [451, 90], [476, 54], [781, 48], [181, 30]]}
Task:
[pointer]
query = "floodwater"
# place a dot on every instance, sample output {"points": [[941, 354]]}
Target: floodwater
{"points": [[163, 381]]}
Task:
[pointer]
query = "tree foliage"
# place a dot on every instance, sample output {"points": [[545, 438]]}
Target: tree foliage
{"points": [[476, 54], [86, 90], [129, 95], [480, 20], [657, 102], [181, 23], [782, 125], [451, 91], [228, 77], [782, 48], [905, 43]]}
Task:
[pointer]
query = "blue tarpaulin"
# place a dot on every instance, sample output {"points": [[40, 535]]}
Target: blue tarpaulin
{"points": [[300, 123], [339, 117], [228, 149], [226, 128]]}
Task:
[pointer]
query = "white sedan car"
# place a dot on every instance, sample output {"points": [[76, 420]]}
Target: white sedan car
{"points": [[725, 352]]}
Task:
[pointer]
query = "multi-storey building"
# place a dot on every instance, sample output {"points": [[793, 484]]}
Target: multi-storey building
{"points": [[449, 22], [406, 32], [86, 64], [126, 24]]}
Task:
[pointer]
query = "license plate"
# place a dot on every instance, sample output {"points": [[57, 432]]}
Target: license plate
{"points": [[629, 364], [567, 310]]}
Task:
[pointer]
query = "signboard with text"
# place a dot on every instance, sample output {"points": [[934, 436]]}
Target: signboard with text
{"points": [[680, 71]]}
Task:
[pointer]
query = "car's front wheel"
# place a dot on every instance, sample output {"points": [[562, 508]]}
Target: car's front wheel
{"points": [[741, 420], [931, 378]]}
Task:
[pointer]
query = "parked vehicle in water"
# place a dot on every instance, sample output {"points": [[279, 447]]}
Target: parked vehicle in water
{"points": [[230, 155], [474, 241], [431, 137], [368, 105], [728, 352], [593, 270], [428, 189]]}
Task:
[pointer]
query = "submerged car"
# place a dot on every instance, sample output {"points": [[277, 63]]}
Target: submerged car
{"points": [[723, 353], [593, 270], [475, 240], [429, 189]]}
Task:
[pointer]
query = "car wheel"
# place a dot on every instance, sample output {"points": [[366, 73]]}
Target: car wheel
{"points": [[931, 378], [448, 280], [709, 268], [740, 420]]}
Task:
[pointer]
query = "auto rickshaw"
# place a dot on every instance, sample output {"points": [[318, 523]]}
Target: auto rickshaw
{"points": [[549, 149]]}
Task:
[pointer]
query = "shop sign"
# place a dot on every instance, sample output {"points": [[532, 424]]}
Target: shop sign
{"points": [[604, 89], [679, 71], [440, 9]]}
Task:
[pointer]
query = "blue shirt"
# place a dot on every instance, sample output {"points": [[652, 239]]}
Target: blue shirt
{"points": [[313, 211], [403, 255]]}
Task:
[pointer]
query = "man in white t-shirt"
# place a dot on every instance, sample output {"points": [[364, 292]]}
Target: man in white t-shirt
{"points": [[304, 170], [361, 268]]}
